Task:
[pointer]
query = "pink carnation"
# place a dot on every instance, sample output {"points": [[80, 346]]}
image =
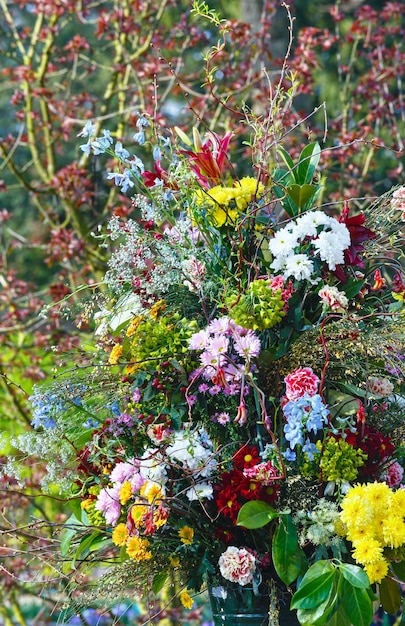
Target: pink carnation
{"points": [[395, 473], [264, 473], [380, 386], [301, 381], [237, 565], [333, 298]]}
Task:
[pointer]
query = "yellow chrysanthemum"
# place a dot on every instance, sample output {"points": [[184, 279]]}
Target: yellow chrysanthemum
{"points": [[246, 189], [120, 535], [125, 492], [394, 532], [354, 512], [397, 502], [151, 491], [367, 550], [138, 512], [115, 354], [376, 571], [186, 535], [174, 561], [377, 527], [137, 549], [378, 496], [186, 600], [356, 532]]}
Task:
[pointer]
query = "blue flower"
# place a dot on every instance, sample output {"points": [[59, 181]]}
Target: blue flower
{"points": [[311, 449]]}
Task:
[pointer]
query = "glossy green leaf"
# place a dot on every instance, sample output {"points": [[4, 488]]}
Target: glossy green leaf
{"points": [[316, 586], [301, 194], [399, 570], [286, 158], [338, 617], [390, 595], [256, 514], [308, 162], [159, 582], [315, 592], [289, 559], [319, 615], [355, 575], [357, 605]]}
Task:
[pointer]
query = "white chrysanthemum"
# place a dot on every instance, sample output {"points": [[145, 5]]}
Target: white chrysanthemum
{"points": [[307, 224], [151, 467], [187, 448], [299, 266], [202, 491], [283, 242], [329, 249]]}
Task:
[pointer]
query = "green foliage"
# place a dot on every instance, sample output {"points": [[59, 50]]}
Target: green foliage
{"points": [[294, 186]]}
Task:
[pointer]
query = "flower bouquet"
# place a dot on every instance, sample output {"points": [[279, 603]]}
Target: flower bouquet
{"points": [[239, 424]]}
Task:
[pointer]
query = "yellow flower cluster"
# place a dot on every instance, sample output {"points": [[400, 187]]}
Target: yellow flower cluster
{"points": [[186, 535], [228, 202], [373, 519], [137, 549]]}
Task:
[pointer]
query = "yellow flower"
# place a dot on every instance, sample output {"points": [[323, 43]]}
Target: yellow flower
{"points": [[397, 502], [138, 513], [378, 497], [354, 512], [151, 491], [120, 535], [157, 309], [160, 516], [367, 550], [115, 354], [246, 190], [174, 561], [133, 325], [86, 504], [376, 571], [186, 600], [125, 492], [186, 535], [137, 549], [394, 532]]}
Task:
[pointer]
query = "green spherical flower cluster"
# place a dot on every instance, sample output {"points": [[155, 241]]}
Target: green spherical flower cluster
{"points": [[161, 338], [259, 308], [340, 461]]}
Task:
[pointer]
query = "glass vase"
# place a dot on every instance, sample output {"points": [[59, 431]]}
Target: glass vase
{"points": [[241, 606]]}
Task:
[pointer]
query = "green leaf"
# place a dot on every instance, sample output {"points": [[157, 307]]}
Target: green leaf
{"points": [[390, 595], [318, 616], [315, 592], [289, 559], [316, 586], [399, 570], [66, 540], [342, 403], [90, 543], [307, 164], [286, 158], [256, 514], [357, 605], [355, 575], [338, 617], [158, 582], [301, 194]]}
